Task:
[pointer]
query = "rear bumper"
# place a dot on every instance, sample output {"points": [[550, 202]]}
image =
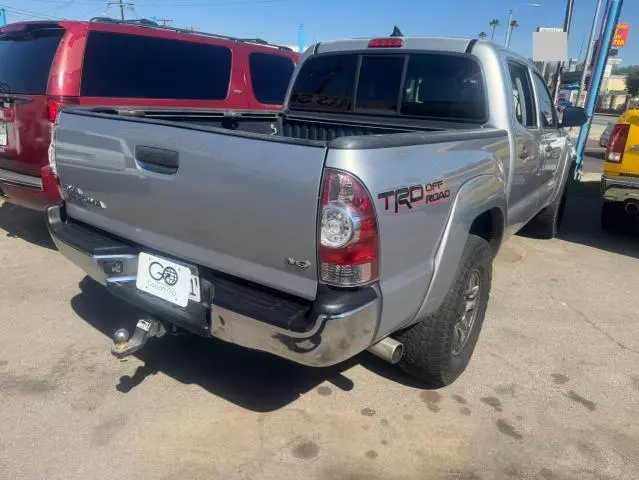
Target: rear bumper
{"points": [[334, 327], [23, 190], [620, 189]]}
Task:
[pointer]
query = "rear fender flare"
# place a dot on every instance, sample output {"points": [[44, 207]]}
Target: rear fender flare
{"points": [[474, 197]]}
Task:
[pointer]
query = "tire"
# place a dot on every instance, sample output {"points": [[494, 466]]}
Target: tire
{"points": [[613, 217], [435, 350]]}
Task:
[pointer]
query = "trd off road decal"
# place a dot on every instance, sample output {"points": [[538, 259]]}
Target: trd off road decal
{"points": [[413, 196]]}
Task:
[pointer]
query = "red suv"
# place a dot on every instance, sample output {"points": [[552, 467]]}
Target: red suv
{"points": [[44, 65]]}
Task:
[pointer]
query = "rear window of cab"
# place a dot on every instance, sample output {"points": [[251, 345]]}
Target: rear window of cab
{"points": [[435, 86]]}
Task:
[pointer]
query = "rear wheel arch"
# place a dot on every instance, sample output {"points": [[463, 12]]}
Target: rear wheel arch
{"points": [[489, 225]]}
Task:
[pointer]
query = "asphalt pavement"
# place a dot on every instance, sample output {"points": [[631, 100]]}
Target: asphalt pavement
{"points": [[551, 393]]}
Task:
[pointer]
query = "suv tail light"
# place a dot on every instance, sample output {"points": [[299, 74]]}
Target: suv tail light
{"points": [[617, 143], [348, 243], [55, 103]]}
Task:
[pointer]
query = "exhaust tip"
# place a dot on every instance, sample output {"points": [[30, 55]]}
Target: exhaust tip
{"points": [[388, 349]]}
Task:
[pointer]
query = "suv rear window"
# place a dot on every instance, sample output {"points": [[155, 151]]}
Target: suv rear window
{"points": [[25, 59], [437, 86], [132, 66], [270, 75]]}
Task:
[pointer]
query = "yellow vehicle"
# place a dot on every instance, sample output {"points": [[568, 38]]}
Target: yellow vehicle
{"points": [[620, 181]]}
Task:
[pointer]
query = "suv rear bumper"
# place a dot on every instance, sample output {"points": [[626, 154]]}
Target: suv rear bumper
{"points": [[620, 188], [334, 327], [23, 190]]}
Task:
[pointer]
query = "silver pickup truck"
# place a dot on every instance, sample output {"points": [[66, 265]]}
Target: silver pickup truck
{"points": [[366, 216]]}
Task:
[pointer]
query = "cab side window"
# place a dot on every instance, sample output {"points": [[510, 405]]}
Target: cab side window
{"points": [[546, 108], [523, 99]]}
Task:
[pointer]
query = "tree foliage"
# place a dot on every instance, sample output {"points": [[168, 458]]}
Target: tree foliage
{"points": [[482, 35], [632, 83]]}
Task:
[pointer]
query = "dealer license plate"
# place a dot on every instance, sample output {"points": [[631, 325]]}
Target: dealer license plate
{"points": [[168, 280], [3, 134]]}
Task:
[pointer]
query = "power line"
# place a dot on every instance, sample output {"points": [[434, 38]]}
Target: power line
{"points": [[29, 13]]}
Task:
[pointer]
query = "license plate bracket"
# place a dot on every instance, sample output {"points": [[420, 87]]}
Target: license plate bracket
{"points": [[174, 282]]}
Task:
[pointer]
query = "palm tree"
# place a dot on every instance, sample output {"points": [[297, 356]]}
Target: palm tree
{"points": [[514, 24], [493, 23], [482, 35]]}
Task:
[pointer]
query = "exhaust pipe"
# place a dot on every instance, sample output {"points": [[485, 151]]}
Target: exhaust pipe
{"points": [[388, 349], [631, 207]]}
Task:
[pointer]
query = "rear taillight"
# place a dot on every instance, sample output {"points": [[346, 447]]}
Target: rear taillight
{"points": [[55, 103], [617, 143], [348, 243]]}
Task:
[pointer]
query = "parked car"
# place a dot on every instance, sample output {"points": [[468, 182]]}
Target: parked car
{"points": [[620, 180], [45, 65], [605, 135], [368, 220]]}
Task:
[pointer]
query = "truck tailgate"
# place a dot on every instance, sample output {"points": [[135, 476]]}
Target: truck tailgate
{"points": [[239, 204]]}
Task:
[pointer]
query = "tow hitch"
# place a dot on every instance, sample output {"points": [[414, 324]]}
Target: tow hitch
{"points": [[124, 345]]}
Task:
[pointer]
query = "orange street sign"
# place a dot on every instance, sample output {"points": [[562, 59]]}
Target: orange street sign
{"points": [[621, 35]]}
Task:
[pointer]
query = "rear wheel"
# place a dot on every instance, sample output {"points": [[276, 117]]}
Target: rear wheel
{"points": [[438, 348]]}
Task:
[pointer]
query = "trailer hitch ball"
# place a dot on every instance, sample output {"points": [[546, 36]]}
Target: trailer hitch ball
{"points": [[121, 336], [124, 344]]}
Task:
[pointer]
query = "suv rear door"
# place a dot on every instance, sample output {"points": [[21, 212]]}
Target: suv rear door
{"points": [[26, 54]]}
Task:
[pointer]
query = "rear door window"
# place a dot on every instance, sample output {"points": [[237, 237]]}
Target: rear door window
{"points": [[26, 57], [270, 75], [523, 99], [132, 66]]}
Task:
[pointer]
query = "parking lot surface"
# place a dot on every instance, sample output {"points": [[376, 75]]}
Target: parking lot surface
{"points": [[551, 393]]}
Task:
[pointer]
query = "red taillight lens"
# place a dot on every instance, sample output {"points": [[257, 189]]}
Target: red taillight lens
{"points": [[348, 251], [386, 43], [55, 103], [617, 143], [50, 184]]}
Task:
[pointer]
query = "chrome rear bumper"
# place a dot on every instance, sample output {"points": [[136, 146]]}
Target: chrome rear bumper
{"points": [[20, 180], [334, 327], [620, 188]]}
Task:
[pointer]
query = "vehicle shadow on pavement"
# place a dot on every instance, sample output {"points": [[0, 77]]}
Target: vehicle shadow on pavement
{"points": [[581, 222], [29, 225], [253, 380]]}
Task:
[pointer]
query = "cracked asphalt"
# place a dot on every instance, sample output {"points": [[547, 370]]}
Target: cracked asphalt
{"points": [[551, 393]]}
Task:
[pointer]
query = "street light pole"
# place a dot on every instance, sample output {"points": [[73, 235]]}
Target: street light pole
{"points": [[589, 52], [509, 28]]}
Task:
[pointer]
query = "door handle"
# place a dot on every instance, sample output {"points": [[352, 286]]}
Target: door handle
{"points": [[157, 160]]}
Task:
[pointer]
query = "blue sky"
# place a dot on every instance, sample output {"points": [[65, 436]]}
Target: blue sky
{"points": [[278, 20]]}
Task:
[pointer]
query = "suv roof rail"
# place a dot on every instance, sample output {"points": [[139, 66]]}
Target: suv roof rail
{"points": [[143, 22]]}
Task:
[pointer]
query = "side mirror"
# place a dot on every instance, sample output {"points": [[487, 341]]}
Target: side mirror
{"points": [[573, 117]]}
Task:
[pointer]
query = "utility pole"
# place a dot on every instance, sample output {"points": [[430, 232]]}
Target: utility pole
{"points": [[560, 65], [589, 52], [121, 4]]}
